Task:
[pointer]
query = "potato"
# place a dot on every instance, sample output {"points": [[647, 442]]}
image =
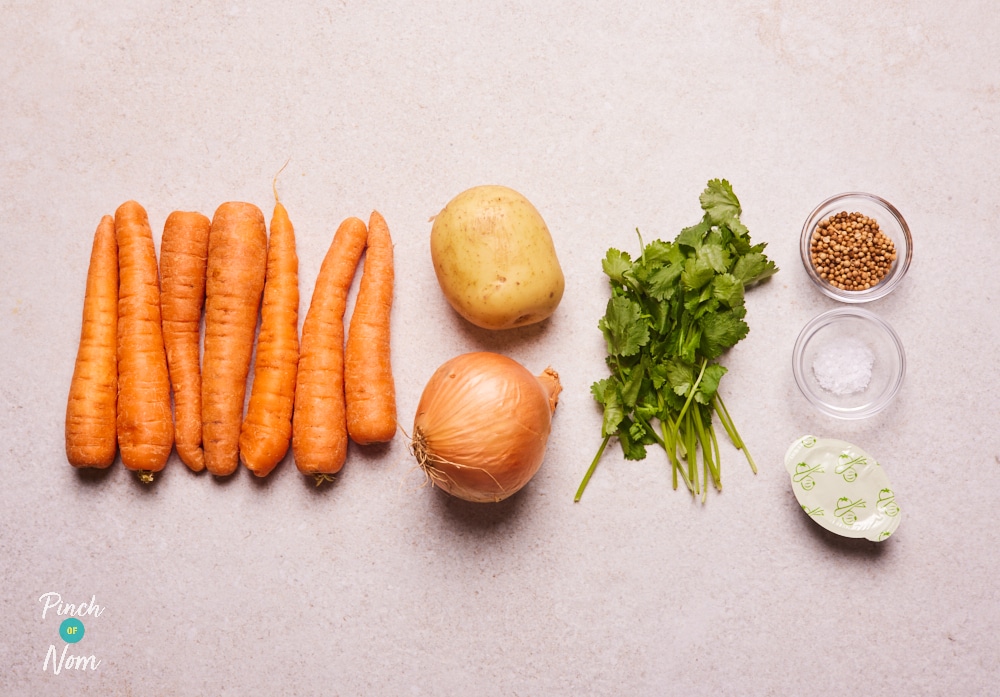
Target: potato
{"points": [[495, 260]]}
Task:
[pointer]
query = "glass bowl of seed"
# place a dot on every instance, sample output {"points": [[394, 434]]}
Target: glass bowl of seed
{"points": [[856, 247]]}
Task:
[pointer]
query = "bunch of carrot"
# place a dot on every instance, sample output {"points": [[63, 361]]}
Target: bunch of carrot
{"points": [[141, 341]]}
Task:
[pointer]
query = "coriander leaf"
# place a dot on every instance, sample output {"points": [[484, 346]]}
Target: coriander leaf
{"points": [[631, 386], [659, 252], [658, 375], [719, 202], [647, 411], [623, 329], [715, 255], [688, 339], [752, 267], [703, 303], [616, 264], [697, 272], [738, 229], [606, 393], [738, 245], [599, 389], [692, 236], [728, 289], [719, 235], [680, 375], [662, 283], [709, 384], [720, 331], [634, 448], [639, 433], [658, 313]]}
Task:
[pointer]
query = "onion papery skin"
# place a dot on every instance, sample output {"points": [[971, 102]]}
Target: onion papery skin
{"points": [[482, 425]]}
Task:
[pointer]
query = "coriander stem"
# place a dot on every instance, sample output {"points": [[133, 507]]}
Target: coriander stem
{"points": [[710, 463], [691, 445], [753, 465], [675, 464], [670, 443], [673, 472], [704, 486], [733, 433], [718, 456], [727, 423], [652, 431], [694, 388], [593, 466]]}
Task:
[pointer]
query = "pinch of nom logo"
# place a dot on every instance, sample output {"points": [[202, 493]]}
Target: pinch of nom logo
{"points": [[71, 632]]}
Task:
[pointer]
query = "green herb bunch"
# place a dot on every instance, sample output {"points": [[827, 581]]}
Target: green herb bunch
{"points": [[673, 311]]}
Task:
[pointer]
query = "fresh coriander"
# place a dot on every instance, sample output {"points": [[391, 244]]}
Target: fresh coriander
{"points": [[673, 312]]}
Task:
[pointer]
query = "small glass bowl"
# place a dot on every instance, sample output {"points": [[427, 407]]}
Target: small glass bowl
{"points": [[891, 224], [849, 363]]}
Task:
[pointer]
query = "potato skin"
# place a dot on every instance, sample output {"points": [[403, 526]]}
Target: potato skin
{"points": [[495, 260]]}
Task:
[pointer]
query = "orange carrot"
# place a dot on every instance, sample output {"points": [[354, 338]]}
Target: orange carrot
{"points": [[319, 425], [91, 437], [267, 426], [145, 424], [183, 263], [368, 384], [237, 258]]}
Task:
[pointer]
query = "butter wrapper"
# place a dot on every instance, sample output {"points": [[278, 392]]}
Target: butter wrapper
{"points": [[842, 488]]}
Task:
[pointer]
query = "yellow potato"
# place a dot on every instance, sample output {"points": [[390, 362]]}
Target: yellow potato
{"points": [[495, 260]]}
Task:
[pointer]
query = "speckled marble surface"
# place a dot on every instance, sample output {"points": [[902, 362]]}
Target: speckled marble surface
{"points": [[608, 117]]}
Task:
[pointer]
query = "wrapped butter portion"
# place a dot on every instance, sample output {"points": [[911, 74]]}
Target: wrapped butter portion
{"points": [[842, 488]]}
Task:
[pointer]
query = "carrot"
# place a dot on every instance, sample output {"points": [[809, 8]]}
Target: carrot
{"points": [[267, 426], [145, 424], [319, 424], [368, 384], [183, 263], [91, 438], [237, 257]]}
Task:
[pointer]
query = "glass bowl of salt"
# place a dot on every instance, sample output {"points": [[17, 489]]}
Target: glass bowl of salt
{"points": [[849, 363]]}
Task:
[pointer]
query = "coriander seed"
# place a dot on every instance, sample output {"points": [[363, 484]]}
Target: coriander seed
{"points": [[850, 252]]}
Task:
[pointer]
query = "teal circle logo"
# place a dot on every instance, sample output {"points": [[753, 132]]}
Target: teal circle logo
{"points": [[71, 630]]}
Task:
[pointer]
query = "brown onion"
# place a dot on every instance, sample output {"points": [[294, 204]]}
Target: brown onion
{"points": [[482, 425]]}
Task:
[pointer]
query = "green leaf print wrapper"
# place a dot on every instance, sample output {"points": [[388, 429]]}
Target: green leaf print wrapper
{"points": [[842, 488]]}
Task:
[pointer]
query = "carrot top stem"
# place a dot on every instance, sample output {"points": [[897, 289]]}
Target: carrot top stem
{"points": [[321, 478], [274, 181]]}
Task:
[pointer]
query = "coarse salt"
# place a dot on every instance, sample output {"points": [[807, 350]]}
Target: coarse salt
{"points": [[844, 367]]}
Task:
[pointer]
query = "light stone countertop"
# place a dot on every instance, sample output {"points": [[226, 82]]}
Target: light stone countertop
{"points": [[608, 117]]}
